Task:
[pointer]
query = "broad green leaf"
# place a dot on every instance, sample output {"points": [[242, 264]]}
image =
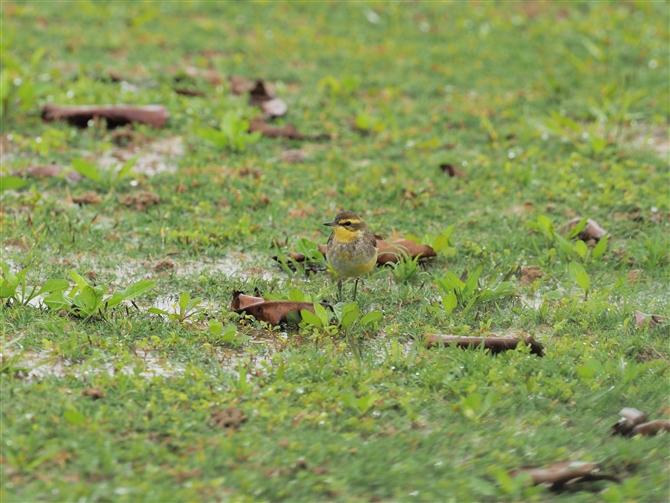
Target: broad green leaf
{"points": [[371, 318], [57, 300], [53, 285], [74, 416], [471, 284], [184, 300], [132, 291], [11, 183], [155, 310], [296, 295], [545, 223], [127, 167], [450, 302], [86, 169], [7, 288], [310, 318], [581, 249], [600, 248], [350, 314], [579, 227], [212, 135], [79, 280], [321, 312], [579, 275], [229, 334]]}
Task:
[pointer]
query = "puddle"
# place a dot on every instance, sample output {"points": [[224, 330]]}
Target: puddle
{"points": [[42, 364], [153, 159]]}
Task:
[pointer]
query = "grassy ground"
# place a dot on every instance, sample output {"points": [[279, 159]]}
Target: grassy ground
{"points": [[553, 111]]}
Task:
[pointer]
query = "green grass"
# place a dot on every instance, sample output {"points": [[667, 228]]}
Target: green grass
{"points": [[556, 111]]}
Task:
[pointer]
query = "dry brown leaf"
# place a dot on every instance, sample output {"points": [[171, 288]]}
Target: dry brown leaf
{"points": [[452, 171], [227, 418], [115, 115], [189, 92], [652, 427], [87, 198], [273, 312], [241, 85], [140, 200], [530, 273], [590, 231], [164, 264], [564, 472], [270, 105], [293, 156], [288, 131], [630, 418], [493, 344], [46, 171], [643, 318], [94, 393], [393, 251]]}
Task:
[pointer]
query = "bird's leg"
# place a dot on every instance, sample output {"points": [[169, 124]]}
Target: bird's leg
{"points": [[355, 287], [339, 287]]}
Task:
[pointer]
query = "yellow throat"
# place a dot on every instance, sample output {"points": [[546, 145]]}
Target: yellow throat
{"points": [[343, 235]]}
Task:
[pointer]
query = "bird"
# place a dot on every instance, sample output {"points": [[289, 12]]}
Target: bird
{"points": [[351, 248]]}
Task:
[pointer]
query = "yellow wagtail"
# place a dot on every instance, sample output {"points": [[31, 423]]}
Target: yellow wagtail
{"points": [[352, 248]]}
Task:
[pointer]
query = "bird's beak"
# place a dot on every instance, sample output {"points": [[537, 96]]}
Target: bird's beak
{"points": [[330, 224]]}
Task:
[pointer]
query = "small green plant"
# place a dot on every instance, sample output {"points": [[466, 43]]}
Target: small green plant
{"points": [[440, 243], [185, 308], [225, 334], [367, 122], [13, 287], [87, 301], [106, 178], [339, 88], [579, 275], [456, 292], [657, 252], [9, 182], [343, 314], [18, 86], [233, 133], [565, 249], [406, 268]]}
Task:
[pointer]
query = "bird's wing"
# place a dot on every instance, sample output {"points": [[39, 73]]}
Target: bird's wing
{"points": [[330, 239], [371, 239]]}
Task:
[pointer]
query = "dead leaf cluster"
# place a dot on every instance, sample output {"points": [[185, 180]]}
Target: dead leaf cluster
{"points": [[49, 171], [94, 393], [530, 273], [87, 198], [634, 422], [140, 200], [562, 473], [493, 344], [227, 418], [452, 171], [644, 318]]}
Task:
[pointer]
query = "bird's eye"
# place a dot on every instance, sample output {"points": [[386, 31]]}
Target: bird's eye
{"points": [[346, 224]]}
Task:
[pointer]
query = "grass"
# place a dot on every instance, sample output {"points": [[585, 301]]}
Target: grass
{"points": [[551, 110]]}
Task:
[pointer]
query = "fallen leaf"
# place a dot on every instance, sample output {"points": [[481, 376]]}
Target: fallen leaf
{"points": [[140, 200], [293, 156], [227, 418], [164, 264], [288, 131], [189, 92], [87, 198], [590, 231], [452, 171], [241, 85], [91, 274], [630, 418], [270, 105], [493, 344], [46, 171], [393, 251], [652, 427], [94, 393], [530, 273], [564, 472], [115, 115], [273, 312], [643, 318]]}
